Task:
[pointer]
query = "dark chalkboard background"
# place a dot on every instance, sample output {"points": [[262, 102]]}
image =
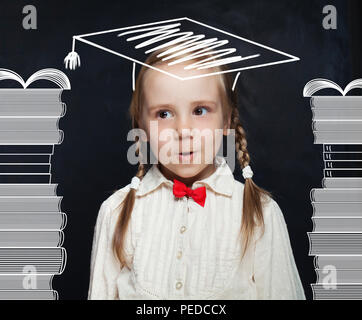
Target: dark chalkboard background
{"points": [[91, 162]]}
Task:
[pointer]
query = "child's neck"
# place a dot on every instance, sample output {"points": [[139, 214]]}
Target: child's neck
{"points": [[189, 181]]}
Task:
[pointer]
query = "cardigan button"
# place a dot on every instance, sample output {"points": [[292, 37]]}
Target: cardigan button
{"points": [[178, 285], [183, 229], [179, 255]]}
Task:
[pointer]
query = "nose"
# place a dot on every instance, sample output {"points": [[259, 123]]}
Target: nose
{"points": [[183, 127]]}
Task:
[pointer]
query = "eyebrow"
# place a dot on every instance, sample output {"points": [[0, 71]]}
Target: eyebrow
{"points": [[195, 103]]}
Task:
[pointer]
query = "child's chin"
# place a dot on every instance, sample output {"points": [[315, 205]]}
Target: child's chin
{"points": [[187, 170]]}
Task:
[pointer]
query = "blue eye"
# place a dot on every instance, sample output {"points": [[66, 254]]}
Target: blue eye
{"points": [[164, 114], [200, 111]]}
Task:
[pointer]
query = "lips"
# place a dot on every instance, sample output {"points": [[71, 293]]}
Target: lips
{"points": [[186, 156]]}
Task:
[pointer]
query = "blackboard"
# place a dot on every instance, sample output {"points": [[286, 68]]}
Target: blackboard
{"points": [[91, 163]]}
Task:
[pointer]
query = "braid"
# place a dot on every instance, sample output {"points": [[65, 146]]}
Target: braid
{"points": [[252, 212], [242, 153], [125, 215], [141, 167], [141, 171]]}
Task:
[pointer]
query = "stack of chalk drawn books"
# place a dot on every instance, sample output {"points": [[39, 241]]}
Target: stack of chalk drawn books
{"points": [[336, 240], [31, 221]]}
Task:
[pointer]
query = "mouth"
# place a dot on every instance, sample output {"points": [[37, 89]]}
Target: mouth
{"points": [[186, 156]]}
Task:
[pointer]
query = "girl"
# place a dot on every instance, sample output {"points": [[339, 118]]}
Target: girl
{"points": [[187, 229]]}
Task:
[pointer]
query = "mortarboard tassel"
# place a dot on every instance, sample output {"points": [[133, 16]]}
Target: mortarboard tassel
{"points": [[72, 60]]}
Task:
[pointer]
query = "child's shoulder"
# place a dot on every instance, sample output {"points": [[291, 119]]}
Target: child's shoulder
{"points": [[238, 186], [273, 214], [116, 198], [270, 206]]}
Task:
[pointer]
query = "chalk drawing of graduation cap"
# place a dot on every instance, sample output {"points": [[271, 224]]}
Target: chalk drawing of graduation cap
{"points": [[183, 37]]}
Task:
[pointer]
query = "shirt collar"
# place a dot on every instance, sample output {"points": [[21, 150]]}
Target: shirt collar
{"points": [[221, 181]]}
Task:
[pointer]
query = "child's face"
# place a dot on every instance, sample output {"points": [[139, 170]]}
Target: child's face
{"points": [[189, 119]]}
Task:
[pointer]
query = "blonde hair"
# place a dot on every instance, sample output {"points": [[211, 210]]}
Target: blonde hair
{"points": [[252, 211]]}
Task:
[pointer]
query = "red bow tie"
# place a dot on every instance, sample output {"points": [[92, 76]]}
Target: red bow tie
{"points": [[180, 190]]}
